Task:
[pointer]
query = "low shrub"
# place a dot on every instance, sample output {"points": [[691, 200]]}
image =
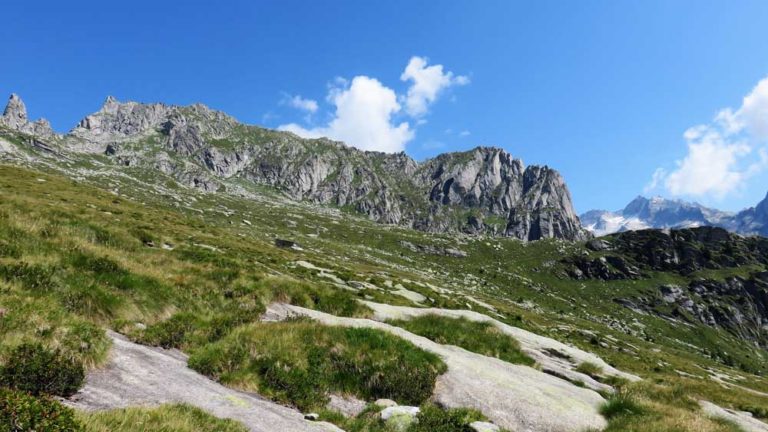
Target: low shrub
{"points": [[37, 370], [21, 412]]}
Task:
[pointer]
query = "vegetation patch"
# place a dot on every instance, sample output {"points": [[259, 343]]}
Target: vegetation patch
{"points": [[299, 362], [36, 370], [479, 337], [21, 412], [166, 418]]}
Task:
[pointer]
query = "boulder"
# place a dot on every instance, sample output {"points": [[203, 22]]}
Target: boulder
{"points": [[349, 406], [400, 417], [385, 403]]}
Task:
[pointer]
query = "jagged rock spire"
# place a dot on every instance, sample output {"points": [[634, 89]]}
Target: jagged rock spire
{"points": [[15, 117], [15, 113]]}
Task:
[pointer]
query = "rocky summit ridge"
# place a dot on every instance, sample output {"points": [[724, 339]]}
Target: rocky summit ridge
{"points": [[481, 191]]}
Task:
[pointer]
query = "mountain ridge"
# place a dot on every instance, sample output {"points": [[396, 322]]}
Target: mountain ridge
{"points": [[481, 191], [663, 213]]}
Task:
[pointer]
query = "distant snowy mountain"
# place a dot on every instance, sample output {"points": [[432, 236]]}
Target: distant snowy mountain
{"points": [[655, 212]]}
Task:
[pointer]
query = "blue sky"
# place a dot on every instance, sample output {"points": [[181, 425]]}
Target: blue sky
{"points": [[603, 91]]}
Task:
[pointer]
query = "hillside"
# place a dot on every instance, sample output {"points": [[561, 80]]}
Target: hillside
{"points": [[119, 251], [484, 190]]}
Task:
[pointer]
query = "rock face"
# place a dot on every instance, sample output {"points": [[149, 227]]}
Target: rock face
{"points": [[737, 304], [481, 191], [15, 117]]}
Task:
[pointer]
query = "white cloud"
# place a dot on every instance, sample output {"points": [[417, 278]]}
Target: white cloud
{"points": [[300, 103], [724, 154], [428, 83], [364, 111], [367, 113], [465, 133]]}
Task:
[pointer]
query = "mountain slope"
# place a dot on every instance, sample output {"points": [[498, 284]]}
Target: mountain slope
{"points": [[481, 191]]}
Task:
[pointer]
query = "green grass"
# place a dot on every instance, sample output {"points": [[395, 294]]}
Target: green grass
{"points": [[589, 368], [74, 260], [479, 337], [166, 418], [299, 362]]}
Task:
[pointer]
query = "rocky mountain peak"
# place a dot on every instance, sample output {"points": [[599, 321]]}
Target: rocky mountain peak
{"points": [[484, 190], [15, 113], [15, 117], [110, 105]]}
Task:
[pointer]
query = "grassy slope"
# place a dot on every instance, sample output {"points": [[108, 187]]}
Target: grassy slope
{"points": [[176, 418], [92, 266]]}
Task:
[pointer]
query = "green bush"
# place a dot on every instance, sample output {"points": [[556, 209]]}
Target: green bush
{"points": [[35, 369], [20, 412]]}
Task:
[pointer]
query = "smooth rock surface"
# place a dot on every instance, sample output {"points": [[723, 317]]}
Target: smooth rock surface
{"points": [[515, 397], [744, 420], [553, 356], [137, 375]]}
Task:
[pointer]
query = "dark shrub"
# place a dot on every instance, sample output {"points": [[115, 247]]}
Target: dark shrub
{"points": [[20, 412], [34, 369]]}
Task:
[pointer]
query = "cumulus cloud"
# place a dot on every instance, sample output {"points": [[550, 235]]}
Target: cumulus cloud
{"points": [[300, 103], [363, 118], [427, 83], [370, 116], [723, 154]]}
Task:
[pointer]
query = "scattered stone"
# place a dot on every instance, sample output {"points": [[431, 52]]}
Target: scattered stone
{"points": [[3, 312], [247, 222], [432, 250], [140, 326], [385, 403], [286, 244], [349, 406], [400, 417], [598, 245], [312, 416], [479, 426]]}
